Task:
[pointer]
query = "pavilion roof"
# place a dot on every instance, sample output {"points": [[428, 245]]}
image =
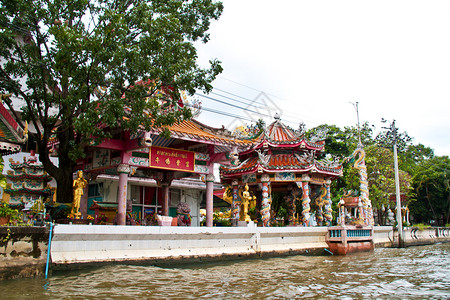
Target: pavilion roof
{"points": [[275, 163], [279, 135]]}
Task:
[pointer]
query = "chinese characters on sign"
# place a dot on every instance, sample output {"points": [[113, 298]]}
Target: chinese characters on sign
{"points": [[172, 159]]}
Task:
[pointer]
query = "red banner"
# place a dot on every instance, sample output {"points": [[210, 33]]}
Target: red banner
{"points": [[172, 159]]}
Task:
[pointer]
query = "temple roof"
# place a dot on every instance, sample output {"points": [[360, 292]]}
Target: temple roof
{"points": [[193, 130], [274, 163], [10, 133], [279, 135], [278, 148]]}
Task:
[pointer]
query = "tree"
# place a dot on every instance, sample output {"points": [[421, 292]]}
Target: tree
{"points": [[381, 179], [75, 63], [432, 185]]}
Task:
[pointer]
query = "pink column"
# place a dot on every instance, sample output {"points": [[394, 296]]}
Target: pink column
{"points": [[265, 205], [165, 204], [209, 199], [123, 170]]}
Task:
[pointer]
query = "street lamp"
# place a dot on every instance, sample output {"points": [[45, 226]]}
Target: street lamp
{"points": [[393, 131]]}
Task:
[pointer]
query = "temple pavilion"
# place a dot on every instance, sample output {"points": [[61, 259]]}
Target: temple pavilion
{"points": [[282, 159], [155, 172]]}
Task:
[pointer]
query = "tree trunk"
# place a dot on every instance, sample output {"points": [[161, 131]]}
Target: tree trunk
{"points": [[63, 173], [431, 206]]}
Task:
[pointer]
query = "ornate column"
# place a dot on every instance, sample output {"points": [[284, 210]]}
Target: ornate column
{"points": [[209, 199], [123, 170], [305, 200], [265, 204], [235, 204], [328, 211]]}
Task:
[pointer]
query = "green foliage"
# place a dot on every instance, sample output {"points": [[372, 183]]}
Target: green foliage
{"points": [[431, 183], [2, 177], [6, 211], [81, 59]]}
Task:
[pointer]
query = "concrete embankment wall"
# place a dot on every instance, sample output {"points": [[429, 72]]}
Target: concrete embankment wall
{"points": [[84, 244], [23, 251], [415, 236]]}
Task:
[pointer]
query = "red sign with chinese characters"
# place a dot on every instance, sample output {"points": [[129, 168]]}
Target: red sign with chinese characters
{"points": [[171, 159]]}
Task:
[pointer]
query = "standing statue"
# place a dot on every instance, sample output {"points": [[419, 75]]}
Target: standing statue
{"points": [[247, 200], [78, 185]]}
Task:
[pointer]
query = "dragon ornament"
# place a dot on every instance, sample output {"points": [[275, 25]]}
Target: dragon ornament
{"points": [[306, 208], [328, 211], [320, 202], [360, 165]]}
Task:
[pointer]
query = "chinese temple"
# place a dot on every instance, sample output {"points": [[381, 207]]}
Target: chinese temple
{"points": [[282, 159]]}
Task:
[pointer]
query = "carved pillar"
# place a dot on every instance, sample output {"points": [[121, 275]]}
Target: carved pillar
{"points": [[305, 200], [209, 199], [123, 170], [265, 204], [235, 204], [328, 210]]}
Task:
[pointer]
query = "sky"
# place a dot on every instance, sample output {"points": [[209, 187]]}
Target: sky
{"points": [[310, 60]]}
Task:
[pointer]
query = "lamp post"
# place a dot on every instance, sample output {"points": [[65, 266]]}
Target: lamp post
{"points": [[393, 130]]}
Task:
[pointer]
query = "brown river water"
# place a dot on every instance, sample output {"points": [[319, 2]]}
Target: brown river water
{"points": [[387, 273]]}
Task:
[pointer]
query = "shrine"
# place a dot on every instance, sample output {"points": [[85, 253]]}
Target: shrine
{"points": [[282, 159], [28, 181]]}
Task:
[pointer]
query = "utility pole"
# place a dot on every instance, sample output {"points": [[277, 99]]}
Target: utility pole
{"points": [[357, 117], [393, 130]]}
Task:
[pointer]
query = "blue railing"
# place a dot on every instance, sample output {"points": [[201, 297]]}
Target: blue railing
{"points": [[335, 233], [359, 232]]}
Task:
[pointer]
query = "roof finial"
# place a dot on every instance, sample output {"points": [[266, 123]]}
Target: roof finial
{"points": [[277, 117]]}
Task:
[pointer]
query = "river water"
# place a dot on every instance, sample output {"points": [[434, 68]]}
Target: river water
{"points": [[387, 273]]}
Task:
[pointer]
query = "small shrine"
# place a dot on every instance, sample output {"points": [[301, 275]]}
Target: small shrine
{"points": [[354, 230], [282, 159], [29, 181]]}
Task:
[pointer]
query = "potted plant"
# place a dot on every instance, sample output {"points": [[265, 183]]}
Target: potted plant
{"points": [[7, 213]]}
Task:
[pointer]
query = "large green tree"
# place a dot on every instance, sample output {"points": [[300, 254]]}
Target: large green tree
{"points": [[74, 65], [431, 181]]}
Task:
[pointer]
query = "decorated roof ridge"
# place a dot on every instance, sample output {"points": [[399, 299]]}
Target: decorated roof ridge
{"points": [[45, 190], [30, 161], [277, 134], [271, 163], [46, 176]]}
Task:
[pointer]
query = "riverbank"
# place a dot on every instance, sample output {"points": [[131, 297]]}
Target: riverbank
{"points": [[76, 246]]}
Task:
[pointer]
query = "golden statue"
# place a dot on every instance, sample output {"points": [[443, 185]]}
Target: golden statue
{"points": [[247, 200], [78, 185]]}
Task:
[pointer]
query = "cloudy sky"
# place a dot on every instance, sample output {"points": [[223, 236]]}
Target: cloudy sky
{"points": [[308, 60]]}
